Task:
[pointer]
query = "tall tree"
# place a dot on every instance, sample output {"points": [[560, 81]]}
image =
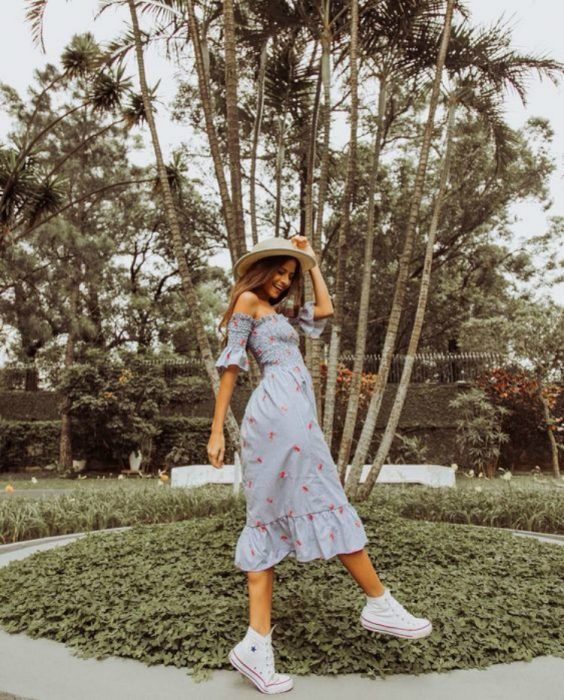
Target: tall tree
{"points": [[232, 112], [403, 271], [389, 32], [344, 231], [482, 95]]}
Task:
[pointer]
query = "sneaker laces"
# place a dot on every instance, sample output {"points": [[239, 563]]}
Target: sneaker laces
{"points": [[398, 608]]}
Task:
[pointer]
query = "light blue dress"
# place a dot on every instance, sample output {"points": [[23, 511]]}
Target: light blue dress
{"points": [[296, 504]]}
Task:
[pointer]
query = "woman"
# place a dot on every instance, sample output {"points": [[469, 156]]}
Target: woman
{"points": [[296, 504]]}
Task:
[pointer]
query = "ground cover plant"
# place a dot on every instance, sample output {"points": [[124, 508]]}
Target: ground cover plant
{"points": [[171, 594]]}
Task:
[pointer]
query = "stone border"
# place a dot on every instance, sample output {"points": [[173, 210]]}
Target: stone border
{"points": [[15, 546]]}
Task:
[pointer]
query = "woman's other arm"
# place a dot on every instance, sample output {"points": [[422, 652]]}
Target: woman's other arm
{"points": [[323, 304]]}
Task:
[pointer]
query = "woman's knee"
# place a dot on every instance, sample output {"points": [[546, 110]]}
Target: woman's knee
{"points": [[258, 576]]}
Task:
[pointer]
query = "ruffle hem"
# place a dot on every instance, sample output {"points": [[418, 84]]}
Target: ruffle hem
{"points": [[320, 535]]}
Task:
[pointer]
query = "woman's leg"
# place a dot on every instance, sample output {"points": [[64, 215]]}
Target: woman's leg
{"points": [[361, 569], [261, 584]]}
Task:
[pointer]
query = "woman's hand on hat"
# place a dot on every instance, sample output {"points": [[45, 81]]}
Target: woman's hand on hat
{"points": [[302, 243]]}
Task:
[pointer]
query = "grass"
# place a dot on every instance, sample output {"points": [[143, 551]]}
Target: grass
{"points": [[95, 504], [171, 594], [82, 510], [22, 482]]}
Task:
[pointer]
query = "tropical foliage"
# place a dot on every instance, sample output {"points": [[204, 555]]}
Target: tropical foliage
{"points": [[410, 216]]}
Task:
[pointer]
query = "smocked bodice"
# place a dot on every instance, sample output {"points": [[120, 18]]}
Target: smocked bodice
{"points": [[272, 339]]}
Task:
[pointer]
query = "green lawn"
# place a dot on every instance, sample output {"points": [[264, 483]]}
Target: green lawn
{"points": [[22, 482]]}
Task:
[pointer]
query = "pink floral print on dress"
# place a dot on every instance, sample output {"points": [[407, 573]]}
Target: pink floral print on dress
{"points": [[295, 501]]}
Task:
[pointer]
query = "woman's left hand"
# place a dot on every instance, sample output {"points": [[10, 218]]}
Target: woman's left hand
{"points": [[303, 244]]}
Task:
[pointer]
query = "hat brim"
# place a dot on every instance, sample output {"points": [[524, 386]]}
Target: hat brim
{"points": [[246, 260]]}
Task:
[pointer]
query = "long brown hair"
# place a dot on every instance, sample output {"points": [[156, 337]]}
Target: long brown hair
{"points": [[258, 274]]}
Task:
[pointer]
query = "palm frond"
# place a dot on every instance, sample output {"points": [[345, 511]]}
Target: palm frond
{"points": [[81, 56], [108, 89], [134, 113], [486, 102], [289, 85], [35, 15], [393, 25], [489, 54], [48, 197]]}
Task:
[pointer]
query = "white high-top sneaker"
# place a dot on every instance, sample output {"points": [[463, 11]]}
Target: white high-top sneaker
{"points": [[254, 658], [386, 615]]}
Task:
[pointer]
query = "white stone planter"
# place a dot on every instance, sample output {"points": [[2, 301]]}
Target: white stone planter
{"points": [[135, 459], [78, 465]]}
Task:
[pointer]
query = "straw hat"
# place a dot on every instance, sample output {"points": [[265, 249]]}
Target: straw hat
{"points": [[272, 246]]}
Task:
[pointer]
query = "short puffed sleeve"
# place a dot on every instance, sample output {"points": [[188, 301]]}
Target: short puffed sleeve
{"points": [[234, 353], [306, 322]]}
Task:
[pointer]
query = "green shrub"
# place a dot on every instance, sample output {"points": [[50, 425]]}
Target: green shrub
{"points": [[24, 518], [479, 431], [118, 404]]}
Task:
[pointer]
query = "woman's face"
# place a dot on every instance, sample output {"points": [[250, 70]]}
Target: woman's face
{"points": [[281, 279]]}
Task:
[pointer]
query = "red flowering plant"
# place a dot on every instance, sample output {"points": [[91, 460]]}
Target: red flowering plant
{"points": [[535, 406], [344, 379]]}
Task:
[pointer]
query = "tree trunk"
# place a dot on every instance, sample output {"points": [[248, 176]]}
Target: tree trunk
{"points": [[401, 283], [65, 441], [362, 326], [317, 232], [280, 150], [551, 439], [313, 345], [311, 157], [344, 229], [205, 92], [231, 108], [403, 385], [172, 221], [256, 134], [326, 41]]}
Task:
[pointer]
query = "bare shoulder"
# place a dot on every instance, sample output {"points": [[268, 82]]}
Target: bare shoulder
{"points": [[247, 303]]}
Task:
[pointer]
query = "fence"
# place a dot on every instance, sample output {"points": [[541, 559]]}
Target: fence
{"points": [[439, 368], [436, 367]]}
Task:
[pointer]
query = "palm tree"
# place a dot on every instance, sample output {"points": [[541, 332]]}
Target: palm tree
{"points": [[177, 15], [344, 232], [404, 263], [328, 21], [470, 89], [202, 68], [172, 221], [387, 29], [231, 107]]}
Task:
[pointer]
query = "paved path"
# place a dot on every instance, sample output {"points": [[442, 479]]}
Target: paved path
{"points": [[40, 669]]}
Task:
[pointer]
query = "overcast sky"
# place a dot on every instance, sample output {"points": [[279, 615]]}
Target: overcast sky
{"points": [[537, 26]]}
